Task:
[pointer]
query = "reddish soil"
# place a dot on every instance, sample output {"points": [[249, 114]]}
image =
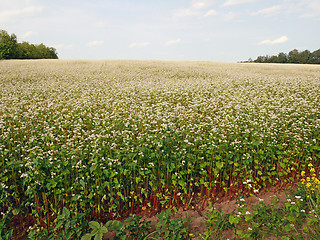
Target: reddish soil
{"points": [[196, 219]]}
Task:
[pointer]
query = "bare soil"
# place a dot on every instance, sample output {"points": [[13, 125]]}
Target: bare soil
{"points": [[197, 219]]}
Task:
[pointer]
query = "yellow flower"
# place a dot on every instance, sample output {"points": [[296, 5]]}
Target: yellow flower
{"points": [[303, 173], [312, 170], [310, 165]]}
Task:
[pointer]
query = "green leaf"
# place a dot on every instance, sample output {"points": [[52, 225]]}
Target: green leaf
{"points": [[93, 168], [94, 225], [86, 237], [104, 230], [248, 218], [58, 225], [69, 235], [291, 218], [16, 212], [83, 184], [219, 165], [66, 212], [98, 236], [233, 219], [113, 225]]}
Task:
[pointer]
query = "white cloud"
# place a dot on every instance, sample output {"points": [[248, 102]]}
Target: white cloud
{"points": [[171, 42], [313, 9], [229, 16], [276, 41], [100, 24], [236, 2], [186, 12], [95, 43], [63, 46], [8, 14], [211, 12], [138, 44], [27, 34], [199, 5], [268, 11], [196, 9]]}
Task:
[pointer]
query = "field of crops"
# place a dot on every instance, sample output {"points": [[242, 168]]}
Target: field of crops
{"points": [[109, 138]]}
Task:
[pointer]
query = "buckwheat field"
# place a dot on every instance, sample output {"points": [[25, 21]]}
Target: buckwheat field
{"points": [[109, 138]]}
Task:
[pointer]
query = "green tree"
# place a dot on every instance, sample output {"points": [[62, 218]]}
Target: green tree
{"points": [[8, 45], [315, 57], [273, 59], [11, 49], [304, 56], [29, 51], [282, 58], [293, 56]]}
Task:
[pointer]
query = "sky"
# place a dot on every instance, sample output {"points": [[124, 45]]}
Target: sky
{"points": [[205, 30]]}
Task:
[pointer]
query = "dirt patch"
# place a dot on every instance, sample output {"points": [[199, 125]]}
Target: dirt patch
{"points": [[197, 219]]}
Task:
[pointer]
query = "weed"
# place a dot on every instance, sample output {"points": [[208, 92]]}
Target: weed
{"points": [[134, 228]]}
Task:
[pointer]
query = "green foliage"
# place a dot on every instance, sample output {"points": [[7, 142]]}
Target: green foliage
{"points": [[293, 56], [99, 229], [134, 229], [8, 45], [31, 51], [170, 229], [5, 233], [293, 219], [11, 49], [67, 225], [217, 222]]}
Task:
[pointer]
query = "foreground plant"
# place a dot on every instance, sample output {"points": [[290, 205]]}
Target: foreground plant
{"points": [[310, 190], [99, 229], [134, 228], [67, 225], [217, 222]]}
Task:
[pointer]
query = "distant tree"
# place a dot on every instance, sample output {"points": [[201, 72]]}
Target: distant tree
{"points": [[8, 45], [304, 56], [11, 49], [282, 58], [293, 56], [29, 51], [272, 59], [46, 52], [315, 57], [261, 59]]}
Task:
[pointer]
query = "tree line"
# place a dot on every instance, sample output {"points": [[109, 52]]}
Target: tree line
{"points": [[10, 48], [294, 56]]}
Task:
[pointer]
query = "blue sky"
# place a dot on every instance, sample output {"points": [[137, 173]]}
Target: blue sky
{"points": [[214, 30]]}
